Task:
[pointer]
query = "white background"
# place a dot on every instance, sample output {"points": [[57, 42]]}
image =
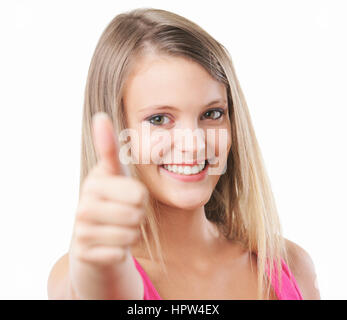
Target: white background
{"points": [[290, 57]]}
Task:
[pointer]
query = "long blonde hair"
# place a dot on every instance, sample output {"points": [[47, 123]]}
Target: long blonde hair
{"points": [[242, 205]]}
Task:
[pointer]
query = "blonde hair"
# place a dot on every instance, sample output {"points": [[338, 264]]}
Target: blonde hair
{"points": [[242, 205]]}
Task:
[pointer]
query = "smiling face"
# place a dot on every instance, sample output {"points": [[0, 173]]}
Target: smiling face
{"points": [[171, 95]]}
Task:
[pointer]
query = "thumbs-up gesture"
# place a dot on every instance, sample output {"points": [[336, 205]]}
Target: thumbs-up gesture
{"points": [[108, 217]]}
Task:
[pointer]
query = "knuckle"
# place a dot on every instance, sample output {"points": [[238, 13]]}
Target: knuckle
{"points": [[141, 193], [115, 254], [80, 254], [120, 254], [105, 260], [82, 233], [82, 210], [87, 209], [90, 185], [134, 236], [137, 216], [134, 217], [110, 256]]}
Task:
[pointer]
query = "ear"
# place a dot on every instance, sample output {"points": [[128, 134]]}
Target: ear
{"points": [[302, 267]]}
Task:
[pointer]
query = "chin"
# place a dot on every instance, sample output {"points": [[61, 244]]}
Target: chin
{"points": [[189, 206], [186, 201]]}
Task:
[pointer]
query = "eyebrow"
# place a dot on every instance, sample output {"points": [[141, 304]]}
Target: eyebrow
{"points": [[159, 106]]}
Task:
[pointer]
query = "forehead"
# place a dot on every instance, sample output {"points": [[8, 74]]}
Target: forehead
{"points": [[170, 81]]}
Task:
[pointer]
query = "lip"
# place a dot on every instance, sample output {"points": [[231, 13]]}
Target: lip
{"points": [[197, 162], [186, 178], [184, 164]]}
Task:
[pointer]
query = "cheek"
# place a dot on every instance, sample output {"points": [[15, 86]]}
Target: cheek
{"points": [[150, 146], [218, 148], [219, 142], [159, 147]]}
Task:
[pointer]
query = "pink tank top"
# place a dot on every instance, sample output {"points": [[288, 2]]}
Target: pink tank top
{"points": [[288, 291]]}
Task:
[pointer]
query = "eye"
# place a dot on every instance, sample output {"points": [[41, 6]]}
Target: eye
{"points": [[162, 119], [157, 120], [216, 113]]}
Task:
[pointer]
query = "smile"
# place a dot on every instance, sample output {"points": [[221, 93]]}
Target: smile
{"points": [[185, 169], [186, 172]]}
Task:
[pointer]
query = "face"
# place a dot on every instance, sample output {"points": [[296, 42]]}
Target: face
{"points": [[166, 100]]}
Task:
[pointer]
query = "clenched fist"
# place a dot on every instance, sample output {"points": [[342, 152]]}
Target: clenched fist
{"points": [[110, 211]]}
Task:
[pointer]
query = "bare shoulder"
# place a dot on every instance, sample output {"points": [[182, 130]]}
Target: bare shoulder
{"points": [[302, 267], [57, 278]]}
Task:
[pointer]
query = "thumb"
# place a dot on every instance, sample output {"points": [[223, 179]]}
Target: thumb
{"points": [[106, 145]]}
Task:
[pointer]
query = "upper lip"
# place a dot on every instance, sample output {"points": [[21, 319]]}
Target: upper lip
{"points": [[187, 164]]}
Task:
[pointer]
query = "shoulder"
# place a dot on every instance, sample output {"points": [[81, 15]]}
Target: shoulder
{"points": [[302, 267]]}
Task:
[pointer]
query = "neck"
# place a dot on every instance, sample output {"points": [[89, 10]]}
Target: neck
{"points": [[187, 236]]}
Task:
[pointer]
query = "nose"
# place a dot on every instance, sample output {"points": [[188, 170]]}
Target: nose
{"points": [[189, 143]]}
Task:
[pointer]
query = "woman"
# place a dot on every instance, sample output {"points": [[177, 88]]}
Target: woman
{"points": [[209, 225]]}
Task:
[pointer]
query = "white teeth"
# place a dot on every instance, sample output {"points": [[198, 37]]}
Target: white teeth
{"points": [[195, 170], [185, 170]]}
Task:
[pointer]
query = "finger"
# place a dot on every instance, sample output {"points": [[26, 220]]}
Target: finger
{"points": [[103, 256], [110, 213], [106, 235], [106, 144], [118, 189]]}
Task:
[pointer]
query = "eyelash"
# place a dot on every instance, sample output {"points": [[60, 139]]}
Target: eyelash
{"points": [[221, 111]]}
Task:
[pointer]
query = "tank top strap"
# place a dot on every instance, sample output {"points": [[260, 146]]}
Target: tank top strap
{"points": [[150, 293], [289, 289]]}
